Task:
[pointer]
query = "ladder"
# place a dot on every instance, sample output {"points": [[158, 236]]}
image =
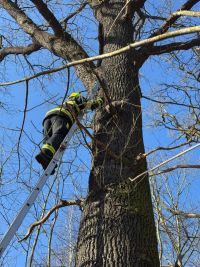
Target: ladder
{"points": [[41, 182]]}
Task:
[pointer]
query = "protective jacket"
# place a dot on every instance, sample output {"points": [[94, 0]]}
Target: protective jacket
{"points": [[58, 121], [74, 104]]}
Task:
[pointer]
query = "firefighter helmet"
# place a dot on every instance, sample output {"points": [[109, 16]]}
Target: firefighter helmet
{"points": [[74, 94]]}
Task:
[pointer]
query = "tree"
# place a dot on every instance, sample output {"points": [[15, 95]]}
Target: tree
{"points": [[177, 235], [117, 226]]}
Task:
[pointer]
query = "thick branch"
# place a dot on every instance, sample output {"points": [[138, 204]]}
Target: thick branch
{"points": [[139, 4], [174, 17], [164, 28], [82, 62], [157, 50], [49, 16], [24, 50], [66, 48], [63, 203], [70, 16], [186, 13]]}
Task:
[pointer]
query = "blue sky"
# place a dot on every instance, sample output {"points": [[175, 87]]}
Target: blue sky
{"points": [[50, 90]]}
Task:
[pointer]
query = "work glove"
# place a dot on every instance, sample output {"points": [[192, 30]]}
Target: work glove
{"points": [[97, 103]]}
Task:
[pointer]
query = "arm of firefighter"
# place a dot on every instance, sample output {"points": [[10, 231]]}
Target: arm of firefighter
{"points": [[93, 104]]}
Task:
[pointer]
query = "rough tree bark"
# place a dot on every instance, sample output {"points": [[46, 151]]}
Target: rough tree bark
{"points": [[117, 226]]}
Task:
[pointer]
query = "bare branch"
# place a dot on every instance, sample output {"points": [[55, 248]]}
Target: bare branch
{"points": [[157, 50], [1, 41], [63, 203], [188, 30], [164, 162], [165, 27], [181, 166], [149, 16], [161, 37], [46, 72], [24, 116], [141, 156], [66, 48], [186, 13], [23, 123], [24, 50], [104, 146], [82, 6], [184, 214], [139, 4], [169, 102], [173, 18], [49, 16]]}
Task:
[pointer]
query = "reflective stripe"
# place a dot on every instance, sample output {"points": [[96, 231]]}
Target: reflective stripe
{"points": [[88, 104], [61, 110], [49, 147], [73, 103], [67, 125], [100, 101], [74, 94], [70, 102]]}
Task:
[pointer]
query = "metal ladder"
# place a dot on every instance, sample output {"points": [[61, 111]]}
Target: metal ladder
{"points": [[41, 182]]}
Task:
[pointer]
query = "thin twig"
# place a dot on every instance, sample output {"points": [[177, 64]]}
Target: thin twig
{"points": [[179, 166], [24, 117], [169, 102], [81, 126], [140, 156], [22, 128], [184, 214], [82, 6], [172, 19], [63, 203], [126, 4]]}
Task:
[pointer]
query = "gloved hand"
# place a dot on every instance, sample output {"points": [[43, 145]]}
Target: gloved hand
{"points": [[100, 101], [97, 103]]}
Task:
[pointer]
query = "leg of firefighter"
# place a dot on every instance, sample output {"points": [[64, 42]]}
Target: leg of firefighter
{"points": [[46, 153], [59, 128]]}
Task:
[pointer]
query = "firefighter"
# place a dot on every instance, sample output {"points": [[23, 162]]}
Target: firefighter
{"points": [[59, 120]]}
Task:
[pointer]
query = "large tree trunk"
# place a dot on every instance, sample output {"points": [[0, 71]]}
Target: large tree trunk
{"points": [[117, 226]]}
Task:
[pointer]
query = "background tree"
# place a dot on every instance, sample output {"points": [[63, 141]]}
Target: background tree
{"points": [[117, 225]]}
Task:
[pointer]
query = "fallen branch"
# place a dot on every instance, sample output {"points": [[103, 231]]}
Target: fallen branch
{"points": [[63, 203]]}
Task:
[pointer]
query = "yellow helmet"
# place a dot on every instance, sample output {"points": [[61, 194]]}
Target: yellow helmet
{"points": [[74, 94]]}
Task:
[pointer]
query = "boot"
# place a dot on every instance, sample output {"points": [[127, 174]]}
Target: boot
{"points": [[44, 160]]}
